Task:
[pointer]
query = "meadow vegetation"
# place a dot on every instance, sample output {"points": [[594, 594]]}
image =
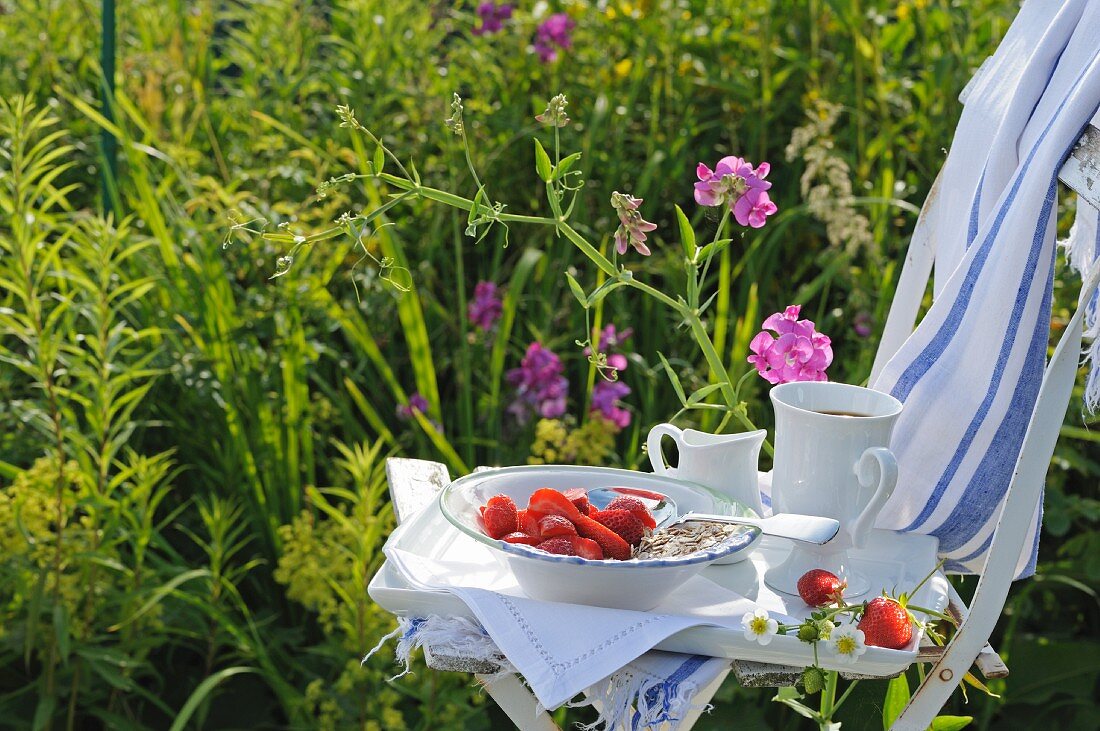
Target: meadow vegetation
{"points": [[192, 495]]}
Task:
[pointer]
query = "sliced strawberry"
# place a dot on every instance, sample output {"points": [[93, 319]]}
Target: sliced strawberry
{"points": [[528, 521], [560, 546], [623, 522], [586, 548], [556, 525], [613, 546], [636, 506], [578, 497], [521, 538], [647, 494], [552, 502], [500, 516]]}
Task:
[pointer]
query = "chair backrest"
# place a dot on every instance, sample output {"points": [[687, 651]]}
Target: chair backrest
{"points": [[1080, 173]]}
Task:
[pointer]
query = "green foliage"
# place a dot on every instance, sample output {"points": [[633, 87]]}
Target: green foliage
{"points": [[191, 493]]}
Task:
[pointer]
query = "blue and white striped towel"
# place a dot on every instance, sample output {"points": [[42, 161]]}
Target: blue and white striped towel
{"points": [[970, 372]]}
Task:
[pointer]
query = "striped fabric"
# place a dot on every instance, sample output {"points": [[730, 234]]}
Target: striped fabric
{"points": [[970, 372]]}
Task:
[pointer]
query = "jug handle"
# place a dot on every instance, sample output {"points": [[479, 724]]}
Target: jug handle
{"points": [[877, 464], [653, 446]]}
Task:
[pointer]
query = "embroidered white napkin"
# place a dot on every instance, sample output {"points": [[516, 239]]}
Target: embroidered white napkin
{"points": [[970, 373], [564, 649]]}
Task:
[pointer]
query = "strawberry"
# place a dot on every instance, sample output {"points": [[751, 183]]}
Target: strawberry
{"points": [[613, 546], [585, 548], [623, 523], [528, 521], [521, 538], [886, 623], [552, 502], [636, 506], [500, 516], [819, 588], [560, 546], [555, 525], [578, 497]]}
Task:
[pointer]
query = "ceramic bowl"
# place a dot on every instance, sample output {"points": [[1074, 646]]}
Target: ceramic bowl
{"points": [[634, 584]]}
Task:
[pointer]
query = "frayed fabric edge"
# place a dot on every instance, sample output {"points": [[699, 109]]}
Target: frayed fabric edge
{"points": [[456, 636], [638, 700]]}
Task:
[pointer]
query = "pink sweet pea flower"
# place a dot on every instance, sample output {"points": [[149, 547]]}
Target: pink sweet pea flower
{"points": [[800, 353], [606, 397], [632, 227], [753, 208], [736, 183]]}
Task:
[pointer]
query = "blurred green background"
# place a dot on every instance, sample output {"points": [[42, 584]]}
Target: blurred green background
{"points": [[191, 490]]}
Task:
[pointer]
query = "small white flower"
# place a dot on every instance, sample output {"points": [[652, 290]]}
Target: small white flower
{"points": [[759, 626], [846, 642]]}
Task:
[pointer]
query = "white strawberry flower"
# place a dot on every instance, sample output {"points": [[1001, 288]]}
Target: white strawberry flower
{"points": [[759, 626], [846, 642]]}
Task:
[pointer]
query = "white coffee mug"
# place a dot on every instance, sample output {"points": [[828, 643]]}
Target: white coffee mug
{"points": [[726, 463], [832, 460]]}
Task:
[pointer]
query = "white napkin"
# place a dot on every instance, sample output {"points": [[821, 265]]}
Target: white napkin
{"points": [[563, 649], [970, 372]]}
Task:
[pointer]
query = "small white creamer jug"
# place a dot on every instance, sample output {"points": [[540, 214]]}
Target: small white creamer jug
{"points": [[726, 463]]}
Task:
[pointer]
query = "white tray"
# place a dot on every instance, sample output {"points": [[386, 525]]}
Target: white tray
{"points": [[891, 561]]}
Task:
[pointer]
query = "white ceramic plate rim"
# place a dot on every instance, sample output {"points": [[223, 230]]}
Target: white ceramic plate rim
{"points": [[731, 545]]}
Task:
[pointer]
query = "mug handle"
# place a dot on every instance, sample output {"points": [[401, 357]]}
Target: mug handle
{"points": [[877, 464], [653, 446]]}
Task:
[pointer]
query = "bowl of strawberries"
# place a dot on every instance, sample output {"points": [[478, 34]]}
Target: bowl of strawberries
{"points": [[583, 534]]}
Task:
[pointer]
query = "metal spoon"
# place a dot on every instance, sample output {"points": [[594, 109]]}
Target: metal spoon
{"points": [[805, 528]]}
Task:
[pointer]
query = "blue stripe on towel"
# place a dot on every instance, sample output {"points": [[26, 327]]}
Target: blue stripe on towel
{"points": [[916, 370], [985, 490], [1022, 295], [665, 691]]}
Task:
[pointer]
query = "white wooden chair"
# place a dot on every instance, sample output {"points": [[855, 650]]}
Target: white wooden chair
{"points": [[414, 483]]}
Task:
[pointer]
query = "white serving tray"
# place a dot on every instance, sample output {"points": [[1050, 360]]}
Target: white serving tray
{"points": [[891, 561]]}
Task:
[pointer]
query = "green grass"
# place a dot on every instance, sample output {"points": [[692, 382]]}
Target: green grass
{"points": [[191, 451]]}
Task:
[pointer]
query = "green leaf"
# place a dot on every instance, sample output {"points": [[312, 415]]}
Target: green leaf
{"points": [[687, 233], [61, 630], [565, 164], [897, 695], [605, 289], [950, 723], [789, 697], [200, 693], [542, 163], [577, 290], [674, 379], [703, 392], [379, 159]]}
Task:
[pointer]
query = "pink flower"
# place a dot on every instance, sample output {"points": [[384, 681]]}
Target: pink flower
{"points": [[552, 34], [753, 208], [417, 404], [540, 385], [492, 17], [485, 308], [800, 353], [606, 397], [736, 183], [632, 227]]}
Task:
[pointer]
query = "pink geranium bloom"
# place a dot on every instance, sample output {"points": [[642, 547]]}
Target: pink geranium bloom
{"points": [[799, 353]]}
